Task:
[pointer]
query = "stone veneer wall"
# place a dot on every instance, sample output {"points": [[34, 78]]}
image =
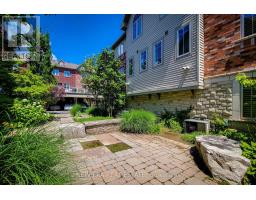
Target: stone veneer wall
{"points": [[220, 95], [216, 97], [169, 100]]}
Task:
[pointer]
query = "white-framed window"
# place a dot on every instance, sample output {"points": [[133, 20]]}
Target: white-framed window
{"points": [[143, 60], [55, 72], [158, 52], [67, 73], [130, 67], [120, 49], [248, 25], [67, 86], [183, 40], [136, 26], [248, 102]]}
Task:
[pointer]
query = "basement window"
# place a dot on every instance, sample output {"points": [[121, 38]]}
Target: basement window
{"points": [[249, 102]]}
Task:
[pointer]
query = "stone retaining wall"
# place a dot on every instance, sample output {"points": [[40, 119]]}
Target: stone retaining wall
{"points": [[102, 126]]}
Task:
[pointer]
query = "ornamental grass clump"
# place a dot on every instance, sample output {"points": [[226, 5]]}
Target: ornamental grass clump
{"points": [[75, 109], [30, 156], [139, 121]]}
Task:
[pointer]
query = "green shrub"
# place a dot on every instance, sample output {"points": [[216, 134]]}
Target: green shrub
{"points": [[76, 108], [249, 151], [30, 156], [173, 125], [191, 137], [139, 121], [26, 113], [234, 135], [178, 115], [218, 123], [96, 111]]}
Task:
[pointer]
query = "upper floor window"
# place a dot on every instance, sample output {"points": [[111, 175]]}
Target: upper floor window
{"points": [[249, 102], [130, 67], [137, 26], [158, 52], [67, 73], [143, 60], [55, 72], [67, 86], [120, 49], [249, 24], [183, 40]]}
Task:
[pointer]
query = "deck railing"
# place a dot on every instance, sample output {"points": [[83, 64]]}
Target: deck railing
{"points": [[75, 90]]}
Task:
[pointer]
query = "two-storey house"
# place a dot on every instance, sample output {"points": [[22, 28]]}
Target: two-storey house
{"points": [[69, 78], [177, 61]]}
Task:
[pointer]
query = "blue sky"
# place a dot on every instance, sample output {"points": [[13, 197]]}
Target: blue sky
{"points": [[75, 37]]}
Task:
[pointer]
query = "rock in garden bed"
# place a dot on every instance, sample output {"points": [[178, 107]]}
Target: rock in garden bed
{"points": [[72, 130], [223, 157]]}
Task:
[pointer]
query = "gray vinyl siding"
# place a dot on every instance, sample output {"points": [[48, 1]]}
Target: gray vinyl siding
{"points": [[169, 75]]}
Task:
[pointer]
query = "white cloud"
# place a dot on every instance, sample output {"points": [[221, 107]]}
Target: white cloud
{"points": [[54, 57]]}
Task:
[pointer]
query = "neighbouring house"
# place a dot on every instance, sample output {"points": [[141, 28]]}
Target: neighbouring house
{"points": [[68, 77], [177, 61]]}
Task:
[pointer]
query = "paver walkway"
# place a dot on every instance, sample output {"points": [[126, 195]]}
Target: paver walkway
{"points": [[151, 160]]}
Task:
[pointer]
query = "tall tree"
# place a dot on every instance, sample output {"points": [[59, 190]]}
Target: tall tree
{"points": [[43, 65], [103, 77]]}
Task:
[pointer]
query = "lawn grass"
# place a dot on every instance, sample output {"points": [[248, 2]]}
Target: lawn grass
{"points": [[169, 134], [91, 144], [118, 147], [91, 119], [191, 137]]}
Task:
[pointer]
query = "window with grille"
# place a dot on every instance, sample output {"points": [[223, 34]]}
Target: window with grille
{"points": [[249, 102], [249, 24], [183, 40]]}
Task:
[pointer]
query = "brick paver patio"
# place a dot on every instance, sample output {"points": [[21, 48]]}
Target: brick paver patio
{"points": [[151, 160]]}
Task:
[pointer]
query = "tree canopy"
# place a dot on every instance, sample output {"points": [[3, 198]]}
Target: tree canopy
{"points": [[102, 76], [245, 80]]}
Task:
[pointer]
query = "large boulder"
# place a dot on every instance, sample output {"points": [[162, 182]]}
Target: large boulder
{"points": [[72, 130], [223, 157]]}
